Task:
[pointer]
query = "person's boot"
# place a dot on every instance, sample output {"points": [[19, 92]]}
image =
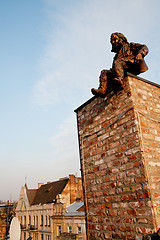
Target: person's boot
{"points": [[101, 91]]}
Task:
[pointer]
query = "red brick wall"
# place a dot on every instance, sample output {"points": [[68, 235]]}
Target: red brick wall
{"points": [[115, 174], [146, 99], [2, 230], [73, 191]]}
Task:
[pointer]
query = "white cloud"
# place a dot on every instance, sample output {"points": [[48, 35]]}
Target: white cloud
{"points": [[78, 47]]}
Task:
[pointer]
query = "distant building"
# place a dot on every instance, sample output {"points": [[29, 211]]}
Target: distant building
{"points": [[3, 226], [7, 212], [69, 222], [40, 210]]}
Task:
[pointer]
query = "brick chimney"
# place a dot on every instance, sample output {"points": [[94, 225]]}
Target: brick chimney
{"points": [[119, 140]]}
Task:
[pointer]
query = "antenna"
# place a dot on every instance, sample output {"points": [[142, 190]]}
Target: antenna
{"points": [[26, 180], [10, 197]]}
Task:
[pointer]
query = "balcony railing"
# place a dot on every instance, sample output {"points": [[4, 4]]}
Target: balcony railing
{"points": [[23, 226], [33, 227]]}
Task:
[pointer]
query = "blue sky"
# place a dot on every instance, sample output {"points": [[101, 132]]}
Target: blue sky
{"points": [[52, 52]]}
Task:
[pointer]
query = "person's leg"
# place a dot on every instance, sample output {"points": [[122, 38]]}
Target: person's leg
{"points": [[118, 68], [118, 75], [101, 91]]}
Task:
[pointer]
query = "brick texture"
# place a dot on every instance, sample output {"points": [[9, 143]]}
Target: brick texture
{"points": [[73, 190], [119, 140], [2, 230]]}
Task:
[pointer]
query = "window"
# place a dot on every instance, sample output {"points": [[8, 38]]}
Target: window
{"points": [[25, 221], [41, 220], [34, 220], [79, 230], [24, 236], [36, 236], [21, 220], [59, 230], [49, 221], [41, 236], [46, 221], [29, 220], [70, 229], [48, 237], [37, 221]]}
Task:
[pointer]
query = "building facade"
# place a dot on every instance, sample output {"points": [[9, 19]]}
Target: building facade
{"points": [[36, 207], [2, 230], [69, 222], [7, 212]]}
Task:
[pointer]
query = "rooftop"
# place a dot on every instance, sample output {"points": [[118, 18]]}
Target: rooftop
{"points": [[75, 208], [46, 193]]}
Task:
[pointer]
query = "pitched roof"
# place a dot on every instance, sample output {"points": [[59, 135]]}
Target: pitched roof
{"points": [[30, 194], [46, 193], [75, 209]]}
